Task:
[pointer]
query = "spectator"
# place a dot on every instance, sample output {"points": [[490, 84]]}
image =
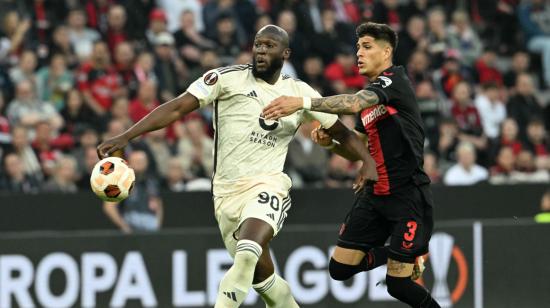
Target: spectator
{"points": [[491, 109], [157, 25], [537, 143], [89, 160], [341, 172], [306, 159], [27, 110], [117, 31], [25, 69], [431, 108], [228, 41], [144, 68], [21, 146], [15, 31], [64, 176], [189, 41], [520, 64], [450, 74], [98, 80], [142, 211], [5, 137], [160, 150], [533, 18], [98, 12], [175, 176], [49, 146], [76, 114], [544, 215], [466, 171], [386, 12], [195, 149], [437, 37], [344, 73], [124, 66], [82, 38], [418, 67], [523, 105], [464, 38], [297, 42], [333, 34], [54, 82], [502, 171], [445, 147], [15, 179], [486, 68], [411, 39], [431, 167], [120, 111], [169, 68], [467, 117], [145, 102], [527, 172], [313, 76], [175, 8]]}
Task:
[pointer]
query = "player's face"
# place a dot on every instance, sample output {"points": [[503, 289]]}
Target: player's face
{"points": [[371, 56], [268, 55]]}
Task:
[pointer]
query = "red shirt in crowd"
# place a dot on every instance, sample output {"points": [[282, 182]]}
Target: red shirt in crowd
{"points": [[487, 73], [137, 110], [102, 83], [335, 71], [467, 118]]}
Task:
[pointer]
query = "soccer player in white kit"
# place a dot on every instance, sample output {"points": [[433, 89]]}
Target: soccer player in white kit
{"points": [[250, 190]]}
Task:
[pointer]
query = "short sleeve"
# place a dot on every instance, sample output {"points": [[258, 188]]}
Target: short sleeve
{"points": [[385, 87], [207, 88], [326, 119]]}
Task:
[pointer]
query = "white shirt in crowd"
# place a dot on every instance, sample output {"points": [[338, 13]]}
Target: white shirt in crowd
{"points": [[492, 114], [458, 175]]}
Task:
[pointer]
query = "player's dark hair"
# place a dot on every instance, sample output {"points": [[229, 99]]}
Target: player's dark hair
{"points": [[381, 32]]}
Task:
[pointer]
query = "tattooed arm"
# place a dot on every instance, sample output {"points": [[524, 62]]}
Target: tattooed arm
{"points": [[345, 103], [338, 104]]}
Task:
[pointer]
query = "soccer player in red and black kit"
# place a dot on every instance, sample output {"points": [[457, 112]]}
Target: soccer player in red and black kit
{"points": [[399, 204]]}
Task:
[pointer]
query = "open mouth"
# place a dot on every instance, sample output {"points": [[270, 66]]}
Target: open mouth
{"points": [[260, 62]]}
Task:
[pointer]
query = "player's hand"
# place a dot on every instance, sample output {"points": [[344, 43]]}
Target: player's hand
{"points": [[367, 175], [112, 147], [282, 107], [320, 136]]}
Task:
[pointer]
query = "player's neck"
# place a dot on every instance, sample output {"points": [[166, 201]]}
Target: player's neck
{"points": [[379, 71], [271, 78]]}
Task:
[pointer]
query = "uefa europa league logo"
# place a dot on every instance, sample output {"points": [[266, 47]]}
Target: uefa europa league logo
{"points": [[441, 248]]}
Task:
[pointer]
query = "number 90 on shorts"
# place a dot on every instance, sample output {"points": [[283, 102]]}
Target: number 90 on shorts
{"points": [[270, 206]]}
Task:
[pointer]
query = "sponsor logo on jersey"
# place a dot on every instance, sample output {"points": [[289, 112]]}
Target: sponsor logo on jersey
{"points": [[370, 116]]}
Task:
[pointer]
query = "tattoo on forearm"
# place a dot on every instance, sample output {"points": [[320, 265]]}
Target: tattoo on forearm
{"points": [[345, 103]]}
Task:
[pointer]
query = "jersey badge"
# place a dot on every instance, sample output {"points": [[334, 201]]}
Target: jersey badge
{"points": [[384, 81], [211, 78]]}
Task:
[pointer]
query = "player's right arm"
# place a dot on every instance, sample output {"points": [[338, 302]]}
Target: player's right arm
{"points": [[200, 93], [322, 137], [160, 117]]}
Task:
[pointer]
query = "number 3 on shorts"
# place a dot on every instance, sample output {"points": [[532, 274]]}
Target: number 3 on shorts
{"points": [[273, 201], [409, 236]]}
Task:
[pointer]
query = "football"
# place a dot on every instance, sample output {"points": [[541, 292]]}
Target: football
{"points": [[112, 179]]}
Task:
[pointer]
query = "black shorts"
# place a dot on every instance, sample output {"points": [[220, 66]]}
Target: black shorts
{"points": [[406, 216]]}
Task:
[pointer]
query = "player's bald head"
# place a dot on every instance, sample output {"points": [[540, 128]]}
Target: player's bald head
{"points": [[276, 32]]}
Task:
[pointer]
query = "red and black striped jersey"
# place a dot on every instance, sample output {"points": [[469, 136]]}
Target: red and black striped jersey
{"points": [[395, 132]]}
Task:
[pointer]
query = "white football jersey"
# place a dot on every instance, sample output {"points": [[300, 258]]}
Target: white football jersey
{"points": [[247, 147]]}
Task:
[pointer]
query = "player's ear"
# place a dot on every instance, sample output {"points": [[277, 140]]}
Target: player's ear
{"points": [[286, 53]]}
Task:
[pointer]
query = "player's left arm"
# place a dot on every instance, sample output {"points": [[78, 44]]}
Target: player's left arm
{"points": [[337, 104]]}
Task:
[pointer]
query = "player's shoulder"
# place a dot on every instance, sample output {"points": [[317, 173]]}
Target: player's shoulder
{"points": [[234, 69], [226, 74]]}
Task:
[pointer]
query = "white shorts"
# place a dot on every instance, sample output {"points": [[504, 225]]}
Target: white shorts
{"points": [[267, 200]]}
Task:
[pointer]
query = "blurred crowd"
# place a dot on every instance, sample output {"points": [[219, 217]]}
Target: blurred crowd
{"points": [[74, 72]]}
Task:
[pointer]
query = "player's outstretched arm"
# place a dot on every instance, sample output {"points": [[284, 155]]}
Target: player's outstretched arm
{"points": [[337, 104], [160, 117], [352, 147]]}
